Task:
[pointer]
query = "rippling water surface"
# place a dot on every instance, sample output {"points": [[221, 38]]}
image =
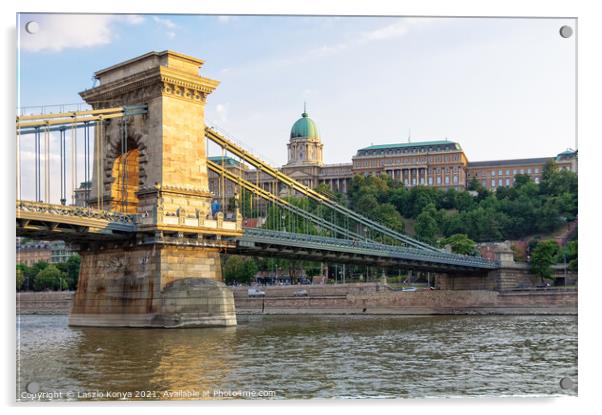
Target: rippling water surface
{"points": [[292, 357]]}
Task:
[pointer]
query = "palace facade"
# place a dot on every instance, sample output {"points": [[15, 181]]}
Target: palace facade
{"points": [[434, 163]]}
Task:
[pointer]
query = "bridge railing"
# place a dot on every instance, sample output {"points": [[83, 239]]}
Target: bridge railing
{"points": [[375, 248], [76, 211]]}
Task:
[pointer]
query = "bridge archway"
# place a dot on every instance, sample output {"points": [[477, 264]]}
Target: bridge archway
{"points": [[124, 168], [126, 181]]}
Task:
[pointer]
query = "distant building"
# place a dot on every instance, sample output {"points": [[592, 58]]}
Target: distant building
{"points": [[32, 252], [82, 194], [435, 163], [29, 252], [501, 173]]}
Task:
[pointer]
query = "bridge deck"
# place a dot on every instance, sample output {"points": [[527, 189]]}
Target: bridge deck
{"points": [[262, 241], [47, 221]]}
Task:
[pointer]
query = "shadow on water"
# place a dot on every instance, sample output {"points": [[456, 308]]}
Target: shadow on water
{"points": [[309, 356]]}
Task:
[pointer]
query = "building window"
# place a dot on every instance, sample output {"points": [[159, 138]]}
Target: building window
{"points": [[438, 179], [536, 170], [537, 180], [430, 181], [529, 171], [446, 179], [492, 173], [514, 171], [507, 182], [499, 172], [455, 179], [492, 183], [499, 182], [507, 172], [522, 171]]}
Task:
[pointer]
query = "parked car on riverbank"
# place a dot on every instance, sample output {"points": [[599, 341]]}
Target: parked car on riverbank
{"points": [[300, 293], [255, 292]]}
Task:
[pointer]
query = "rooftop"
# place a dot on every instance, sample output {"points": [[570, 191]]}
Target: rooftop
{"points": [[515, 162], [406, 145], [228, 161]]}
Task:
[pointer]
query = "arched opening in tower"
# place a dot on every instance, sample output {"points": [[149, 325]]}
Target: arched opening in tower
{"points": [[126, 180]]}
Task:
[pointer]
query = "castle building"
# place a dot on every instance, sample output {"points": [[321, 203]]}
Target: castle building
{"points": [[434, 163]]}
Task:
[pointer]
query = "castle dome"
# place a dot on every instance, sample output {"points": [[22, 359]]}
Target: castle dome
{"points": [[305, 128]]}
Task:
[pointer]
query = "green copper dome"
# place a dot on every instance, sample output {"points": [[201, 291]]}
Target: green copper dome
{"points": [[305, 127]]}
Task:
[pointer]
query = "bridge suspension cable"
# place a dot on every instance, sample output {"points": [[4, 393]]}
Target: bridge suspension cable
{"points": [[317, 220], [28, 122], [260, 165]]}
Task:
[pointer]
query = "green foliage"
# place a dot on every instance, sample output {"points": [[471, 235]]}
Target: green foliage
{"points": [[239, 269], [460, 243], [50, 278], [389, 216], [542, 258], [426, 225], [31, 272], [20, 278], [71, 270], [569, 253], [513, 212]]}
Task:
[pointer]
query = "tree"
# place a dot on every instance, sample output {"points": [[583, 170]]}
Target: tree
{"points": [[569, 252], [30, 273], [426, 225], [20, 277], [389, 216], [542, 258], [239, 269], [460, 244], [475, 185], [71, 270], [50, 278]]}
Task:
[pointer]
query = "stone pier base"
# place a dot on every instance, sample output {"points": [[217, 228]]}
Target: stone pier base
{"points": [[152, 286]]}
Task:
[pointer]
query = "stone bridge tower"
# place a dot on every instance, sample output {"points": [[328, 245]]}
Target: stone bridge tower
{"points": [[155, 165]]}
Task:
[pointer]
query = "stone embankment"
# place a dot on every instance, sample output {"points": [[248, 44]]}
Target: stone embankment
{"points": [[44, 302], [371, 298], [380, 299]]}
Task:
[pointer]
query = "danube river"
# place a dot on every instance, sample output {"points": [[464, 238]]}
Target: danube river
{"points": [[298, 357]]}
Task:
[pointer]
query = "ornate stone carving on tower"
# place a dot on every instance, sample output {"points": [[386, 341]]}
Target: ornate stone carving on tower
{"points": [[155, 166]]}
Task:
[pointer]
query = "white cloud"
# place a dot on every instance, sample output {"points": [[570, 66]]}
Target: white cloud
{"points": [[390, 31], [58, 32], [168, 24], [393, 30]]}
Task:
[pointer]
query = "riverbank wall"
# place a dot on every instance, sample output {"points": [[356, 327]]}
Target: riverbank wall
{"points": [[367, 298]]}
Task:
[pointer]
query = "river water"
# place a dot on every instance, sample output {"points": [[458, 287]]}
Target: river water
{"points": [[298, 357]]}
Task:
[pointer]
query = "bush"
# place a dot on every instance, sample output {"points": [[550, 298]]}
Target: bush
{"points": [[460, 244], [542, 258], [50, 278]]}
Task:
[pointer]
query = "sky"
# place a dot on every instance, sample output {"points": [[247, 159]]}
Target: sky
{"points": [[502, 88]]}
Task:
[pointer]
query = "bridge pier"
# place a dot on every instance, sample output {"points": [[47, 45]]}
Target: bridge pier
{"points": [[152, 286], [168, 274]]}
